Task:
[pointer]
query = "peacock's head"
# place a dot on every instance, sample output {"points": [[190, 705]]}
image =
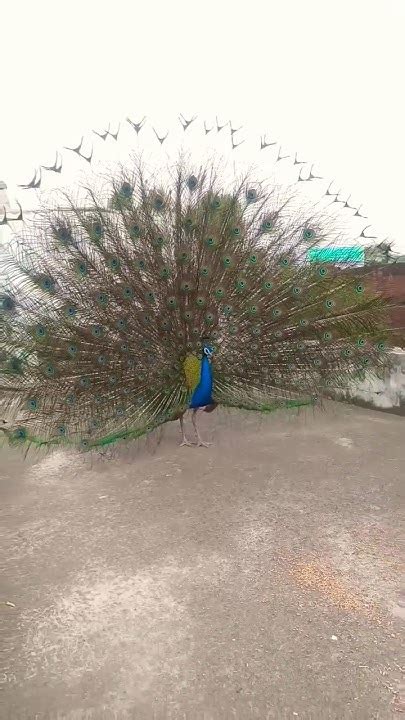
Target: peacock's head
{"points": [[208, 349]]}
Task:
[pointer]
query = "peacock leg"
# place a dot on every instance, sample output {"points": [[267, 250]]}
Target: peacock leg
{"points": [[200, 441], [184, 441]]}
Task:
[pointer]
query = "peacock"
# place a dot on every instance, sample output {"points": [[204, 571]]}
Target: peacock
{"points": [[175, 283]]}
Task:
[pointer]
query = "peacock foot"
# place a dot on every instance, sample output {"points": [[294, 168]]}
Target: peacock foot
{"points": [[201, 443], [186, 442]]}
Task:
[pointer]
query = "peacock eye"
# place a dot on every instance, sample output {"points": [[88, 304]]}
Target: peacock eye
{"points": [[7, 303], [135, 232], [251, 194], [126, 190], [267, 225], [308, 234], [192, 182]]}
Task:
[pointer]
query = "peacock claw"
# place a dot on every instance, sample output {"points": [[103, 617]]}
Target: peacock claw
{"points": [[201, 443], [187, 443]]}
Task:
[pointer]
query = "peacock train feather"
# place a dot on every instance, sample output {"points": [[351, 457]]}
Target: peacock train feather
{"points": [[146, 294]]}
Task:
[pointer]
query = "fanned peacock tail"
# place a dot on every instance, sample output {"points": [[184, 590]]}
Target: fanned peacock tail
{"points": [[110, 292]]}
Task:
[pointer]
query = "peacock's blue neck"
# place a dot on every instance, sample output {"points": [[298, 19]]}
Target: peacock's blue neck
{"points": [[206, 371], [202, 395]]}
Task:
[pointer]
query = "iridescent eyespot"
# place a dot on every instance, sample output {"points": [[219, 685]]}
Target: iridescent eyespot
{"points": [[329, 304], [102, 299], [327, 335], [267, 225], [81, 268], [308, 234], [361, 342], [47, 284], [32, 404], [322, 271], [41, 331], [158, 202], [172, 302], [192, 182], [276, 312], [7, 303], [216, 203], [96, 230], [227, 261], [210, 242], [267, 285], [72, 350], [297, 291], [200, 301], [359, 288], [251, 195], [127, 293], [284, 262], [126, 190], [219, 293], [97, 331], [114, 263], [134, 232], [62, 233], [241, 284], [253, 259], [205, 271]]}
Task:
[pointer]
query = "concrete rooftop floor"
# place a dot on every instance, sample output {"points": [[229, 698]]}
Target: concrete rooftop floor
{"points": [[259, 578]]}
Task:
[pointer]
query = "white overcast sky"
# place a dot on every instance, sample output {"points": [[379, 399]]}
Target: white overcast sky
{"points": [[325, 78]]}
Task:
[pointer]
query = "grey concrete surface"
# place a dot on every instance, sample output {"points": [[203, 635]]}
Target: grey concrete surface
{"points": [[259, 578]]}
